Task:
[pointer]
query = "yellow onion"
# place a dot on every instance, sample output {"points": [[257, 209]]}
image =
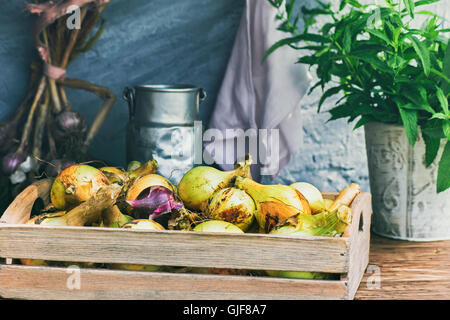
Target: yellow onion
{"points": [[146, 182], [114, 218], [200, 183], [274, 203], [325, 224], [76, 184], [147, 168], [115, 175], [312, 195], [217, 226], [133, 165], [232, 205], [302, 275], [139, 224], [328, 203]]}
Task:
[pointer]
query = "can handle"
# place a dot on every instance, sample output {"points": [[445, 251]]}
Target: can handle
{"points": [[128, 96], [202, 96]]}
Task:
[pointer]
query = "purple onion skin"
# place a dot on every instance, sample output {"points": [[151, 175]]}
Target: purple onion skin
{"points": [[69, 123], [156, 201], [11, 162]]}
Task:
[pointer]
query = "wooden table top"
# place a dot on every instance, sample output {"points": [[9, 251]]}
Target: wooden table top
{"points": [[406, 270]]}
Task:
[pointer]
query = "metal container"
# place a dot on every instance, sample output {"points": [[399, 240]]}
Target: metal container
{"points": [[405, 203], [161, 126]]}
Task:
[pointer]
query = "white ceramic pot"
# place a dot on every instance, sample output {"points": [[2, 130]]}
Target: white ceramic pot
{"points": [[405, 203]]}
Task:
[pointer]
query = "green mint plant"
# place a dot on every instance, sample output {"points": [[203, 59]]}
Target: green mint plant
{"points": [[385, 69]]}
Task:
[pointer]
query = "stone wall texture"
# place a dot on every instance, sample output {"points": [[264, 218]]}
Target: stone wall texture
{"points": [[177, 41]]}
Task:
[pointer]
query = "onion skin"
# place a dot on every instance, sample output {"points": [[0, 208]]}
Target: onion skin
{"points": [[312, 195], [76, 184], [150, 167], [12, 161], [114, 218], [133, 165], [217, 226], [232, 205], [274, 203], [156, 201], [328, 203], [200, 183], [115, 175], [301, 275], [146, 182]]}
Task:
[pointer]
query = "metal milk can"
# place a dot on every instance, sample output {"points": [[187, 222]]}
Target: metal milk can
{"points": [[161, 126]]}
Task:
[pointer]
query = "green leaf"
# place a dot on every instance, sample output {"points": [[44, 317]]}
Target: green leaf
{"points": [[379, 34], [330, 92], [446, 129], [295, 39], [409, 118], [409, 4], [425, 2], [422, 52], [442, 100], [446, 70], [347, 39], [432, 146], [443, 178], [440, 115]]}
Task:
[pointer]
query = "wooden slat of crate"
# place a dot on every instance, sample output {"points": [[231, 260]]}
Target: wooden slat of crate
{"points": [[51, 283], [175, 248]]}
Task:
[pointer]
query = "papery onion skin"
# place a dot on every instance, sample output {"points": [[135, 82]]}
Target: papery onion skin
{"points": [[156, 201], [12, 161], [217, 226], [76, 184], [146, 182], [312, 195], [232, 205], [274, 203], [115, 175]]}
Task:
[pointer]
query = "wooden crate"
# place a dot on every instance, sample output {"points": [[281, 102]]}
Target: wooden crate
{"points": [[347, 256]]}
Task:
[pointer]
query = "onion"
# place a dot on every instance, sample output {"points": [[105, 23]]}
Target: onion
{"points": [[115, 175], [232, 205], [133, 165], [325, 224], [146, 182], [68, 123], [217, 226], [12, 161], [274, 203], [156, 201], [301, 275], [200, 183], [312, 195], [76, 184]]}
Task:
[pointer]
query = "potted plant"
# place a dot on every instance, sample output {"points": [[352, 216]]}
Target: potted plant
{"points": [[393, 79]]}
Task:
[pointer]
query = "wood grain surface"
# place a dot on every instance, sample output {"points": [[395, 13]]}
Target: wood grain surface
{"points": [[406, 270], [52, 283]]}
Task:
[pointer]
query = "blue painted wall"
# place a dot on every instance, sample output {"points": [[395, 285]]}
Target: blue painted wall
{"points": [[156, 41]]}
